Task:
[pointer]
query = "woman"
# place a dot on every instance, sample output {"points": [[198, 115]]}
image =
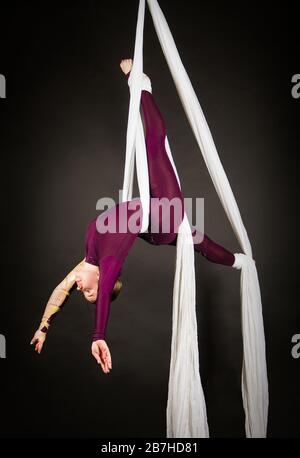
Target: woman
{"points": [[97, 275]]}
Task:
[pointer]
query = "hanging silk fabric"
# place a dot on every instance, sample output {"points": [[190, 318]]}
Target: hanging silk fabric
{"points": [[186, 409]]}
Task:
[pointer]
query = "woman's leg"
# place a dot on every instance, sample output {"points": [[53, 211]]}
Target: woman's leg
{"points": [[210, 249], [163, 183], [167, 207]]}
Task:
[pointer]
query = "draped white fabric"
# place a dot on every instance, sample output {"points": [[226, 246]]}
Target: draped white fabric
{"points": [[186, 411], [135, 140]]}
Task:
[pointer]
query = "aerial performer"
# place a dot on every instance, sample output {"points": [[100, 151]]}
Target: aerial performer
{"points": [[97, 276], [153, 219]]}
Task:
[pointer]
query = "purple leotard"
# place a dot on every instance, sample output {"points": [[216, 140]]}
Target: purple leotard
{"points": [[109, 250]]}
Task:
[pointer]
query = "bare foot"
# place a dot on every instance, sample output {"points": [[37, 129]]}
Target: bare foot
{"points": [[126, 65]]}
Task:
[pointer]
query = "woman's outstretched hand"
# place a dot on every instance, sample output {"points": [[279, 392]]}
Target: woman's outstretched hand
{"points": [[38, 339], [101, 353]]}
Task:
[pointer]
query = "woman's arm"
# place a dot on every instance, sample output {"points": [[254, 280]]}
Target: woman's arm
{"points": [[109, 268], [58, 297], [54, 305]]}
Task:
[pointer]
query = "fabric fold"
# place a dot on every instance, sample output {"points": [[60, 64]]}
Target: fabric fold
{"points": [[186, 410]]}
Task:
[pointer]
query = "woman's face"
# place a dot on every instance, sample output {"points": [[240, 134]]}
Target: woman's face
{"points": [[87, 279]]}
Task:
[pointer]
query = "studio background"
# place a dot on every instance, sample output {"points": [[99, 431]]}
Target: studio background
{"points": [[63, 133]]}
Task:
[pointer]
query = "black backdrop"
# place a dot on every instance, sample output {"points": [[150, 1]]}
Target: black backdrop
{"points": [[63, 131]]}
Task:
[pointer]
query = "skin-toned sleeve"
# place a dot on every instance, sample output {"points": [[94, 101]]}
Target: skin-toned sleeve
{"points": [[58, 297], [110, 269]]}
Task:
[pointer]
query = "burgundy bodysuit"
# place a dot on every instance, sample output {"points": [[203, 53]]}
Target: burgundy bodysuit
{"points": [[109, 250]]}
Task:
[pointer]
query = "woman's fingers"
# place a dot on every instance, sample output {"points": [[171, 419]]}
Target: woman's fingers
{"points": [[108, 361], [38, 344], [99, 360], [38, 339], [105, 352], [101, 353], [108, 358], [97, 357], [38, 347], [103, 364]]}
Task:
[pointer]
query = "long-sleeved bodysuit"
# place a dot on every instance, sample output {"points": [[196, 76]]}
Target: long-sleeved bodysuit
{"points": [[109, 250]]}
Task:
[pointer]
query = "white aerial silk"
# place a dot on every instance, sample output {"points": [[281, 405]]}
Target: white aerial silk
{"points": [[186, 410]]}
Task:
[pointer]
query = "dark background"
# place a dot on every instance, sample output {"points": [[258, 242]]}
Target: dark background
{"points": [[62, 143]]}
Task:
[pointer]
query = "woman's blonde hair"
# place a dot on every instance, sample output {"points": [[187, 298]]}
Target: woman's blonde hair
{"points": [[117, 288]]}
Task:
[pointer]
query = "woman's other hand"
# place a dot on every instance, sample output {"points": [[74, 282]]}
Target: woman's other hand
{"points": [[101, 353], [38, 339]]}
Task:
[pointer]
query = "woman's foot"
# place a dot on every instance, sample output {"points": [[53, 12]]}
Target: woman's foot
{"points": [[126, 65]]}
